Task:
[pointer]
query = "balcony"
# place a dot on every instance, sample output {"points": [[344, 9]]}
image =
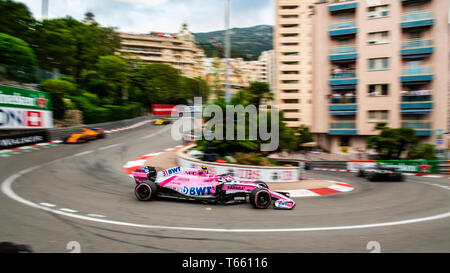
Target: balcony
{"points": [[342, 5], [422, 128], [343, 100], [417, 49], [343, 128], [417, 98], [348, 79], [406, 2], [416, 104], [418, 19], [417, 75], [343, 54], [342, 107], [343, 28], [343, 125]]}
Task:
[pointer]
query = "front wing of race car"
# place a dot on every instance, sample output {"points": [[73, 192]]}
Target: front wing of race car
{"points": [[281, 199]]}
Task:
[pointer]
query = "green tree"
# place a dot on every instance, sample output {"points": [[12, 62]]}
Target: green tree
{"points": [[424, 151], [390, 143], [16, 58], [94, 83], [259, 91], [16, 20], [58, 89], [158, 83], [304, 135], [72, 46], [241, 97], [114, 70], [288, 139], [194, 87]]}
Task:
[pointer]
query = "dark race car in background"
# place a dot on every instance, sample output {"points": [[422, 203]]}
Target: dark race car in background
{"points": [[380, 172]]}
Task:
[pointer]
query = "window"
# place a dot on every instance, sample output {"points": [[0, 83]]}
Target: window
{"points": [[378, 12], [376, 90], [344, 17], [414, 64], [415, 35], [290, 53], [291, 101], [290, 72], [378, 64], [291, 119], [289, 34], [344, 141], [289, 81], [289, 25], [378, 115], [344, 42], [416, 7], [290, 16], [290, 63], [380, 37], [289, 7], [290, 90], [289, 44]]}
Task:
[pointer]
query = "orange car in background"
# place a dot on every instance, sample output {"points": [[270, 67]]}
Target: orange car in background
{"points": [[85, 135]]}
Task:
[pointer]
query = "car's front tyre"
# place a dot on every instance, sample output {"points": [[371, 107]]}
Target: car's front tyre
{"points": [[260, 198]]}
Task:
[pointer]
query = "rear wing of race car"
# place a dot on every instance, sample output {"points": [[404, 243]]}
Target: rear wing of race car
{"points": [[150, 173]]}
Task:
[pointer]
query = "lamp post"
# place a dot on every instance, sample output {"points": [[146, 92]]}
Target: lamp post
{"points": [[227, 51], [44, 9]]}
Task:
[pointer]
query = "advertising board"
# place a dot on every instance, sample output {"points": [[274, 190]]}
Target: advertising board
{"points": [[24, 109]]}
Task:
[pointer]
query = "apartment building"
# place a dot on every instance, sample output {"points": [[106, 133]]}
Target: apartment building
{"points": [[267, 68], [293, 60], [178, 50], [379, 61], [242, 73]]}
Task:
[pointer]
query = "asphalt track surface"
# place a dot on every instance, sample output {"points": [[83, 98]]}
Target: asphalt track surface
{"points": [[51, 197]]}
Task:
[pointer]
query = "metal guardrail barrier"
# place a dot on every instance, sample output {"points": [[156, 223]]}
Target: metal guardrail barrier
{"points": [[444, 166]]}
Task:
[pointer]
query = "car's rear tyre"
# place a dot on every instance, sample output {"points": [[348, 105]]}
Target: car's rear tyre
{"points": [[260, 198], [145, 191]]}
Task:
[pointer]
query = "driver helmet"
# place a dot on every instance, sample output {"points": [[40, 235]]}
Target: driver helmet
{"points": [[204, 170]]}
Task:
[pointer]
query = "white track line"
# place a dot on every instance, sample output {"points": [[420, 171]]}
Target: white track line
{"points": [[6, 188], [47, 204], [96, 215], [68, 210]]}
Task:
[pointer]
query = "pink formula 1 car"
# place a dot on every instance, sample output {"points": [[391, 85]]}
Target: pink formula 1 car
{"points": [[200, 185]]}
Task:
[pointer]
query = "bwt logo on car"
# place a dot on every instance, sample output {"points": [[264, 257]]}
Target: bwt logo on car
{"points": [[171, 171], [197, 190]]}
